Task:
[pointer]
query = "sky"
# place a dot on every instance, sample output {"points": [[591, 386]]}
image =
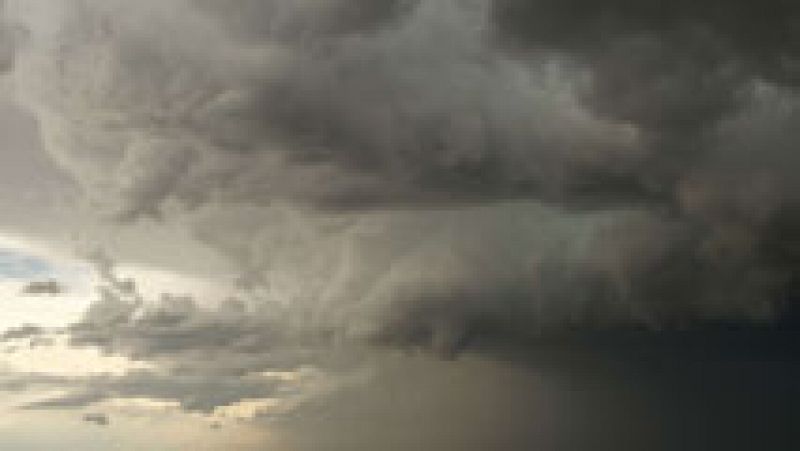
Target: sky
{"points": [[444, 225]]}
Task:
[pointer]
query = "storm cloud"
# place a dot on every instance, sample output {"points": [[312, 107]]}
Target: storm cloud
{"points": [[400, 109], [450, 175]]}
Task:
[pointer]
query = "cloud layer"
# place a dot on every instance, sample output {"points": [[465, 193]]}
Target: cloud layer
{"points": [[419, 105]]}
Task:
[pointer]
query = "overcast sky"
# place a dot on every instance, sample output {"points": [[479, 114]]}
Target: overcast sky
{"points": [[399, 224]]}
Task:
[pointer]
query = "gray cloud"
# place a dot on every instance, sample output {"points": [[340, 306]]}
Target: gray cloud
{"points": [[348, 121], [200, 358], [23, 332], [761, 38], [378, 115], [200, 367], [50, 287], [99, 419], [317, 120], [194, 393], [303, 21], [676, 71], [9, 38], [177, 333]]}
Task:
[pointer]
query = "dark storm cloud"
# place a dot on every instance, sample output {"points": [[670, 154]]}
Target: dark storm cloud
{"points": [[453, 175], [418, 110], [421, 108], [675, 69], [761, 37], [304, 20], [683, 72], [450, 109]]}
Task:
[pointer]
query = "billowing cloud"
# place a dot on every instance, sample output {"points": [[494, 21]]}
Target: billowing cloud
{"points": [[349, 121], [290, 119], [444, 174], [759, 39]]}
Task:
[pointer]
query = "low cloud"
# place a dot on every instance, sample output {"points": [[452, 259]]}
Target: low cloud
{"points": [[100, 419], [194, 393], [28, 331], [50, 287]]}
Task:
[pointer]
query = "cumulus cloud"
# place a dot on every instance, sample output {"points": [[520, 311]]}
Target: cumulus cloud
{"points": [[200, 359], [275, 120], [361, 118], [175, 331]]}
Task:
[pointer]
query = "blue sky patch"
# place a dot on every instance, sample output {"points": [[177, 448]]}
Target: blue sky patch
{"points": [[18, 265]]}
